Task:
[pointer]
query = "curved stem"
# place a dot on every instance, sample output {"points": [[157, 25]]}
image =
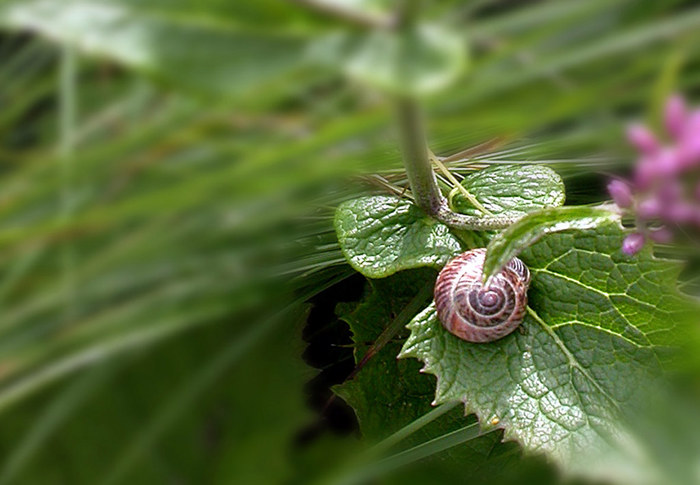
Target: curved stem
{"points": [[421, 177], [472, 223]]}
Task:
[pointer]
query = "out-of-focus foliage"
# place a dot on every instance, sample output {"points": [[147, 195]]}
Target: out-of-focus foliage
{"points": [[207, 48], [421, 61], [153, 251]]}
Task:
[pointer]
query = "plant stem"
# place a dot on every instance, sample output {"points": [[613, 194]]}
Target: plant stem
{"points": [[414, 146], [413, 307], [416, 154], [67, 128], [407, 13], [412, 427], [421, 177], [364, 473], [457, 186]]}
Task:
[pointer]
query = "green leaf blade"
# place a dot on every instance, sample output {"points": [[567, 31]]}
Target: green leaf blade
{"points": [[584, 362], [380, 235], [531, 228], [514, 190], [390, 394]]}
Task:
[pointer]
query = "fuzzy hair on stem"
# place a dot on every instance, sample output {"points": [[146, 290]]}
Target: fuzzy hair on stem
{"points": [[421, 177]]}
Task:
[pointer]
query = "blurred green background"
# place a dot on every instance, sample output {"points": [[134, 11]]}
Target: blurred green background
{"points": [[169, 169]]}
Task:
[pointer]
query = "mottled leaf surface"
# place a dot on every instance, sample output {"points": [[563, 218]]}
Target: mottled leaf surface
{"points": [[380, 235], [509, 243], [511, 189], [388, 394], [588, 354]]}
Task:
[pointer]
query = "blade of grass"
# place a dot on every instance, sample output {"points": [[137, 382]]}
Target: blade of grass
{"points": [[188, 393], [47, 423], [364, 472], [67, 125]]}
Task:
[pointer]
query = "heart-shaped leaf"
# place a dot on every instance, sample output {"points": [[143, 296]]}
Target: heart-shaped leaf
{"points": [[586, 359], [380, 235], [510, 189], [388, 394]]}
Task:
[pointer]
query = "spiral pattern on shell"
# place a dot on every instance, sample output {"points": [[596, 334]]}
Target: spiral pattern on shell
{"points": [[476, 313]]}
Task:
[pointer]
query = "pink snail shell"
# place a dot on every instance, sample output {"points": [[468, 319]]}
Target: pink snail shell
{"points": [[474, 313]]}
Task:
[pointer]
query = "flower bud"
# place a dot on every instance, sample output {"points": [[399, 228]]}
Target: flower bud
{"points": [[649, 209], [680, 213], [669, 192], [675, 116], [661, 235], [644, 173], [689, 142], [667, 163], [642, 139], [621, 194], [633, 243]]}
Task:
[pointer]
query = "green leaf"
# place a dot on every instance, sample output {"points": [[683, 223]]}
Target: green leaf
{"points": [[510, 189], [528, 230], [417, 62], [171, 44], [388, 394], [380, 235], [372, 399], [585, 362]]}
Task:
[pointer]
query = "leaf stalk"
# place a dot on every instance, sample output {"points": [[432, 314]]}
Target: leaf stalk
{"points": [[424, 187]]}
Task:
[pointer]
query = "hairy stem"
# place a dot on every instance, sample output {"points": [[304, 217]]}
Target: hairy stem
{"points": [[421, 177], [414, 146], [416, 154]]}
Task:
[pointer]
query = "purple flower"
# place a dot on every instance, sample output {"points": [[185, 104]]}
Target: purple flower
{"points": [[665, 195], [664, 164], [675, 116], [643, 139], [633, 243], [669, 192], [689, 141], [667, 163], [680, 213], [661, 235], [649, 209], [645, 172], [621, 193]]}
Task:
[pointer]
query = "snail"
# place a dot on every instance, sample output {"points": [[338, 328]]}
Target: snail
{"points": [[476, 313]]}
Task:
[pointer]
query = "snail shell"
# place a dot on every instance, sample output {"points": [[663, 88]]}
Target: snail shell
{"points": [[476, 313]]}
